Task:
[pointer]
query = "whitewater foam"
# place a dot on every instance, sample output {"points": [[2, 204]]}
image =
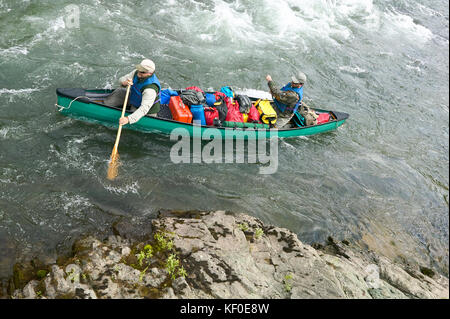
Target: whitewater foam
{"points": [[20, 92], [14, 51], [12, 132], [290, 23], [74, 202], [132, 188], [73, 156], [405, 25], [353, 70]]}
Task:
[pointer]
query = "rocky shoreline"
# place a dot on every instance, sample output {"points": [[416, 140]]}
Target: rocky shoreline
{"points": [[192, 255]]}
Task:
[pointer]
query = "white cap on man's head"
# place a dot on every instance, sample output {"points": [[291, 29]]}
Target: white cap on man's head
{"points": [[299, 78], [146, 66]]}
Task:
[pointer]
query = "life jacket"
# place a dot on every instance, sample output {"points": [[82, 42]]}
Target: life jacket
{"points": [[138, 88], [283, 107]]}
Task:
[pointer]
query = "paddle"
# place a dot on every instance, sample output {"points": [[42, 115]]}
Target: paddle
{"points": [[114, 163]]}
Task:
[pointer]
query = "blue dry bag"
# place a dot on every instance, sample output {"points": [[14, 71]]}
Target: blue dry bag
{"points": [[166, 94]]}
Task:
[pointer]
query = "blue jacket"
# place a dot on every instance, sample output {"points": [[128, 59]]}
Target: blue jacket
{"points": [[283, 107], [139, 87]]}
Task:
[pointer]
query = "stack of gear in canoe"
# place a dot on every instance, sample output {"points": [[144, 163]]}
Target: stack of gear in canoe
{"points": [[224, 108], [221, 108]]}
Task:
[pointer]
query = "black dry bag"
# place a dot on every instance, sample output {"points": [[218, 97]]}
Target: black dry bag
{"points": [[192, 97], [244, 103]]}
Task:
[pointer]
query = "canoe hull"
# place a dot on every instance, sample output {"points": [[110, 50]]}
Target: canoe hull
{"points": [[83, 109]]}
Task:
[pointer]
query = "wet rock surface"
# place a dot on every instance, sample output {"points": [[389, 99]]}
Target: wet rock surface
{"points": [[220, 255]]}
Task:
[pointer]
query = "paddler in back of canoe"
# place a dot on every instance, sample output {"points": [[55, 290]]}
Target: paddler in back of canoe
{"points": [[288, 100], [144, 95]]}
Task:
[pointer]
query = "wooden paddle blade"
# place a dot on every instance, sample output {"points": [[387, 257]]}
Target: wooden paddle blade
{"points": [[113, 168], [114, 163]]}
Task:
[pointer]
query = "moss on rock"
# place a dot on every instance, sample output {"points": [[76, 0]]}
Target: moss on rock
{"points": [[427, 272]]}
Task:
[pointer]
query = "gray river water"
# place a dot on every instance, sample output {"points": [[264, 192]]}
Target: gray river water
{"points": [[380, 180]]}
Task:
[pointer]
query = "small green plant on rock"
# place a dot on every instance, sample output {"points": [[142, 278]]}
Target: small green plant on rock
{"points": [[182, 272], [142, 274], [243, 226], [41, 273], [287, 283], [163, 241], [144, 254], [258, 233], [72, 276], [171, 265]]}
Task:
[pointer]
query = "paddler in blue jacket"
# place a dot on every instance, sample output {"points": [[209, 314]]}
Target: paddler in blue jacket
{"points": [[288, 100], [144, 95]]}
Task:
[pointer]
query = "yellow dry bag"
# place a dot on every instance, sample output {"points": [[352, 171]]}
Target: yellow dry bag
{"points": [[268, 113]]}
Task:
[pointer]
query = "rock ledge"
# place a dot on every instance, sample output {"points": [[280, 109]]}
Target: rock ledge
{"points": [[221, 255]]}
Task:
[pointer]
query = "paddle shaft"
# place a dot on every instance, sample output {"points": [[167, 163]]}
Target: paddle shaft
{"points": [[119, 132]]}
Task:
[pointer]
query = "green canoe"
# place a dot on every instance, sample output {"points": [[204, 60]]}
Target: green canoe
{"points": [[87, 105]]}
